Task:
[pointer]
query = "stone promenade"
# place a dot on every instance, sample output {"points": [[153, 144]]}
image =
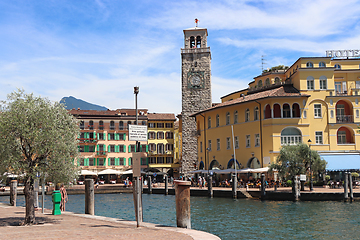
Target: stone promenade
{"points": [[80, 226]]}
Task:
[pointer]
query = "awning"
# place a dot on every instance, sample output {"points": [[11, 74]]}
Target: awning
{"points": [[109, 171], [87, 172], [342, 162]]}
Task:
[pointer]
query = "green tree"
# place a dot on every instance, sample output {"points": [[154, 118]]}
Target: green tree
{"points": [[273, 69], [295, 160], [37, 136]]}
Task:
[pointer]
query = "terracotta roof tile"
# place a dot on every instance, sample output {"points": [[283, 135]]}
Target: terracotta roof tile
{"points": [[281, 91], [161, 116]]}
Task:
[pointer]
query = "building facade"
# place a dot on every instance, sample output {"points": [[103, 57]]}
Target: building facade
{"points": [[315, 101]]}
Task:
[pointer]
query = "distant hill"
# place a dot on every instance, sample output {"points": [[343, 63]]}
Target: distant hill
{"points": [[71, 102]]}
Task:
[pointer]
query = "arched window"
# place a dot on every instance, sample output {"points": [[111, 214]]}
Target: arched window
{"points": [[344, 136], [277, 111], [256, 113], [267, 111], [295, 110], [323, 82], [267, 82], [286, 110], [192, 42], [247, 115], [128, 123], [121, 125], [309, 65], [260, 83], [235, 117], [217, 120], [322, 64], [198, 42], [290, 136], [143, 123], [277, 80], [101, 125], [82, 125], [209, 122], [112, 125], [337, 66], [227, 118], [310, 83]]}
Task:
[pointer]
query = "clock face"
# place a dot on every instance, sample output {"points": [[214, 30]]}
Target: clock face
{"points": [[195, 80]]}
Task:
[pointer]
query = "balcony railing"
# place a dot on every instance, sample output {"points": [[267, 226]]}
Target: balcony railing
{"points": [[195, 50], [101, 153], [88, 140], [290, 139], [344, 119], [101, 127]]}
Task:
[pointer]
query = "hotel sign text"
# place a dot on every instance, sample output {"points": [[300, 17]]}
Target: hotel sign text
{"points": [[342, 53]]}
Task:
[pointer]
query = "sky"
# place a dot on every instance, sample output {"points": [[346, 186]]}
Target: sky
{"points": [[98, 50]]}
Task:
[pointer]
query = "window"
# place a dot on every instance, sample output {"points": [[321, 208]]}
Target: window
{"points": [[101, 162], [332, 113], [160, 160], [209, 145], [101, 125], [143, 161], [81, 162], [286, 111], [128, 123], [236, 142], [169, 147], [228, 144], [111, 148], [317, 110], [152, 160], [151, 135], [91, 124], [81, 148], [209, 122], [260, 83], [257, 140], [112, 125], [337, 66], [143, 148], [319, 137], [304, 113], [82, 127], [341, 138], [295, 110], [169, 159], [121, 161], [160, 135], [256, 113], [151, 125], [169, 135], [267, 111], [227, 118], [132, 148], [309, 65], [235, 117], [143, 123], [160, 148], [121, 125], [160, 125], [111, 136], [101, 136], [277, 110], [323, 82], [91, 148], [357, 113], [310, 83], [121, 148], [290, 136], [152, 147], [168, 125], [277, 80], [247, 115], [217, 120], [247, 141], [322, 64], [218, 144], [111, 161], [267, 82], [91, 162], [198, 42]]}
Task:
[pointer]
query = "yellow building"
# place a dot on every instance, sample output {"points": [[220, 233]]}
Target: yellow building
{"points": [[316, 99], [161, 141]]}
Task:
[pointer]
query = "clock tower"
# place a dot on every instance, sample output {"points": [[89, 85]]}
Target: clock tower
{"points": [[196, 91]]}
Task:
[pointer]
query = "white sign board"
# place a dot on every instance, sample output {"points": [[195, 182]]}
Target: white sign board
{"points": [[137, 133], [302, 177]]}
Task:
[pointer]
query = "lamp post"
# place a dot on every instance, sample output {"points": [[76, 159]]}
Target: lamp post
{"points": [[311, 181]]}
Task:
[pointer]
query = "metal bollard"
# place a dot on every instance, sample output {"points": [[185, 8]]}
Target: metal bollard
{"points": [[182, 196], [13, 192], [89, 197]]}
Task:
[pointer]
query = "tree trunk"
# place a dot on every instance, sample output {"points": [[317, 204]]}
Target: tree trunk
{"points": [[29, 202]]}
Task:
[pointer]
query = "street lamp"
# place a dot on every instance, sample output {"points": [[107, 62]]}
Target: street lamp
{"points": [[311, 181]]}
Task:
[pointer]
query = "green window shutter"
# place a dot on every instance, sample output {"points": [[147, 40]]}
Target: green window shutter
{"points": [[109, 148], [124, 148], [124, 136], [117, 147], [97, 162], [147, 161], [116, 161], [86, 148], [98, 136], [147, 148], [117, 136], [86, 162], [108, 136], [109, 162], [129, 148], [135, 147], [130, 161], [97, 148]]}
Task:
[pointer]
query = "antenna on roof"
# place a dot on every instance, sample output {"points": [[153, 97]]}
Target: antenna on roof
{"points": [[262, 63]]}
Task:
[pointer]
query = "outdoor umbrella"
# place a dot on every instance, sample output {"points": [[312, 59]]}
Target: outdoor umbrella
{"points": [[110, 171], [87, 172]]}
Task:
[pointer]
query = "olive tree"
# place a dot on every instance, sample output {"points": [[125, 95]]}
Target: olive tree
{"points": [[37, 137], [295, 160]]}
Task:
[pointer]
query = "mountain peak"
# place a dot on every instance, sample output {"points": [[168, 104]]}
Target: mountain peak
{"points": [[72, 102]]}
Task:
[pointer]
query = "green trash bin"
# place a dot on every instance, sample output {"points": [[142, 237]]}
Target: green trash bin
{"points": [[56, 198]]}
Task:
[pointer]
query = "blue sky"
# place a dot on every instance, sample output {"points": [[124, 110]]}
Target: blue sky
{"points": [[98, 50]]}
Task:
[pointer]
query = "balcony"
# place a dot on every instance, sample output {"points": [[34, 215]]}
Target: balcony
{"points": [[344, 119], [195, 50], [101, 153], [88, 140]]}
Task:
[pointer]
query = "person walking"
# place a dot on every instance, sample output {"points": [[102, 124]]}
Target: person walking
{"points": [[64, 197]]}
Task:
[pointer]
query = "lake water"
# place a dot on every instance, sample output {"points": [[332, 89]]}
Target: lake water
{"points": [[233, 219]]}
